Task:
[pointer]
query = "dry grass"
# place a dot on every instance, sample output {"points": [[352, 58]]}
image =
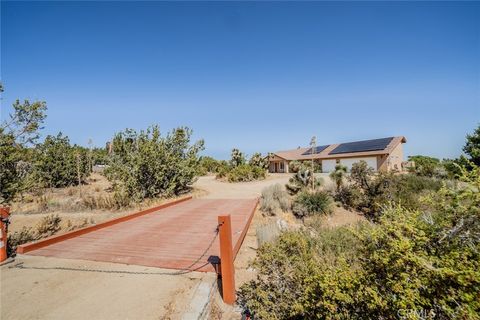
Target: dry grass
{"points": [[267, 232], [96, 194]]}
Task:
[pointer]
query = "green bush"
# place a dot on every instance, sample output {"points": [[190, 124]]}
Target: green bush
{"points": [[58, 164], [274, 199], [304, 277], [238, 170], [17, 133], [424, 166], [472, 146], [208, 165], [146, 165], [309, 203], [370, 192], [411, 264], [246, 172], [294, 166]]}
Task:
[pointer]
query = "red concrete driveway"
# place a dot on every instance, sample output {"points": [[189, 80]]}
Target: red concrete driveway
{"points": [[172, 237]]}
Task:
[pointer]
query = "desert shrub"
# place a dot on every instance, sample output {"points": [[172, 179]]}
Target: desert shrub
{"points": [[246, 172], [294, 166], [410, 264], [273, 199], [49, 225], [310, 203], [222, 170], [238, 170], [208, 165], [58, 164], [302, 180], [454, 167], [108, 201], [304, 277], [70, 226], [98, 156], [267, 233], [19, 237], [349, 196], [424, 165], [407, 190], [370, 192], [472, 146], [146, 165]]}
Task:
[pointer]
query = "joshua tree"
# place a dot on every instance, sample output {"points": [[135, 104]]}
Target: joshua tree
{"points": [[238, 158], [338, 175]]}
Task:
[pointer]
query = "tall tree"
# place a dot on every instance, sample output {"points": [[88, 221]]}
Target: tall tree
{"points": [[21, 129], [472, 146]]}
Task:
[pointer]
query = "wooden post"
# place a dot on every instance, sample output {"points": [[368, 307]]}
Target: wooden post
{"points": [[226, 259]]}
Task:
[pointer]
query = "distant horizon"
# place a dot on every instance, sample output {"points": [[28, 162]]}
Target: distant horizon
{"points": [[257, 76]]}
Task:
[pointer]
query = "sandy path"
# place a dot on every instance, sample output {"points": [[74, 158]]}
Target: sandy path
{"points": [[58, 294], [224, 190]]}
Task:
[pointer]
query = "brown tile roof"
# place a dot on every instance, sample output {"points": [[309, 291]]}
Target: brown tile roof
{"points": [[302, 153]]}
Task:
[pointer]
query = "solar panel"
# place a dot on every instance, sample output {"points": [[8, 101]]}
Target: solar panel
{"points": [[360, 146], [317, 150]]}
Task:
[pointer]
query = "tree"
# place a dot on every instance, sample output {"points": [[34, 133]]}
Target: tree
{"points": [[22, 129], [424, 165], [258, 161], [338, 175], [237, 158], [26, 120], [472, 146], [146, 165], [58, 164]]}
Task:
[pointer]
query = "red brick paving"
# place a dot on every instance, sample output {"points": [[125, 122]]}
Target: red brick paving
{"points": [[172, 237]]}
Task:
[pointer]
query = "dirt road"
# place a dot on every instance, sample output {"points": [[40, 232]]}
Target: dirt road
{"points": [[243, 190]]}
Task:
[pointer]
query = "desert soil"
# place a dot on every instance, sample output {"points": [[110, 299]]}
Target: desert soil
{"points": [[66, 294]]}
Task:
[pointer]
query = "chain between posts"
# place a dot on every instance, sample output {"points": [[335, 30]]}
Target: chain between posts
{"points": [[185, 270]]}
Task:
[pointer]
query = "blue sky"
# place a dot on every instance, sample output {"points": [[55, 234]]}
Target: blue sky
{"points": [[261, 76]]}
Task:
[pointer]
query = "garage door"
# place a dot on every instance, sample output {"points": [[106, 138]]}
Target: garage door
{"points": [[328, 165], [371, 162]]}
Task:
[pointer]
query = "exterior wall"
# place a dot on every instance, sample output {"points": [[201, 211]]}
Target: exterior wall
{"points": [[279, 166], [393, 161], [329, 165], [348, 162]]}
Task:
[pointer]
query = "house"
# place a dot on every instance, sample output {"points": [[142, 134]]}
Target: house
{"points": [[380, 154]]}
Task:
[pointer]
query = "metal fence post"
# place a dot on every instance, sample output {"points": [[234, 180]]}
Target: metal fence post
{"points": [[226, 259]]}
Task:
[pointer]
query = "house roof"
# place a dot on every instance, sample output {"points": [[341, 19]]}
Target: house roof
{"points": [[362, 148]]}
